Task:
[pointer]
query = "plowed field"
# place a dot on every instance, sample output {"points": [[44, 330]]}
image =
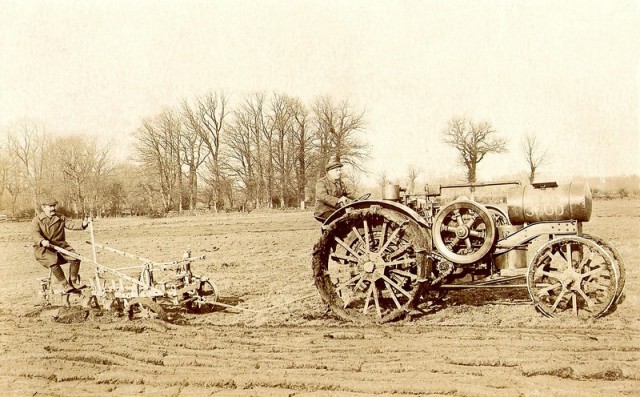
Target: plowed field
{"points": [[477, 344]]}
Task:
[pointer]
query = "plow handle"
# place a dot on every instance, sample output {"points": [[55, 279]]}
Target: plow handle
{"points": [[106, 269], [93, 239]]}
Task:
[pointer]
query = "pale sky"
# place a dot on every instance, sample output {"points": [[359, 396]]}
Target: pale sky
{"points": [[568, 71]]}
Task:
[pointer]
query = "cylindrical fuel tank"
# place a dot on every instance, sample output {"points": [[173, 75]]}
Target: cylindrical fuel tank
{"points": [[515, 258], [391, 192], [527, 204]]}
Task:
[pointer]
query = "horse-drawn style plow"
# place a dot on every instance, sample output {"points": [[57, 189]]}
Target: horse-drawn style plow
{"points": [[143, 294]]}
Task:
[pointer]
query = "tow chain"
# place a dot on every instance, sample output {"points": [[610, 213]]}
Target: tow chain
{"points": [[268, 308]]}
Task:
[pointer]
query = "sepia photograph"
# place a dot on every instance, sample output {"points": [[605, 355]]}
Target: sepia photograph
{"points": [[319, 198]]}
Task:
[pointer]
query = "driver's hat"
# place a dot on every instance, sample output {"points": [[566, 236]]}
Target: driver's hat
{"points": [[50, 201], [333, 165]]}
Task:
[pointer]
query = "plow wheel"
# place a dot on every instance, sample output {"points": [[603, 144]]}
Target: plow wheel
{"points": [[617, 261], [572, 276], [371, 265], [140, 308], [464, 231], [205, 297], [115, 305]]}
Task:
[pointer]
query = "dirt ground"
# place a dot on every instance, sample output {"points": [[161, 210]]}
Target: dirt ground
{"points": [[476, 345]]}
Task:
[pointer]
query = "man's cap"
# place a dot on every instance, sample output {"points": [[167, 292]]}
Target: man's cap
{"points": [[49, 201], [333, 164]]}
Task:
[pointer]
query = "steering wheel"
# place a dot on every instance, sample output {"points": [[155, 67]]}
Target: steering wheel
{"points": [[363, 197]]}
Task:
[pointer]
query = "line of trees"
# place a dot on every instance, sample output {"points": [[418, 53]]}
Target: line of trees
{"points": [[265, 152], [34, 165]]}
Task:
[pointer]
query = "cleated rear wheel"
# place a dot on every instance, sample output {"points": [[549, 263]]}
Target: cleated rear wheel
{"points": [[371, 265]]}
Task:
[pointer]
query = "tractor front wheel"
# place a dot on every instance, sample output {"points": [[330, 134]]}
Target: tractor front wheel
{"points": [[572, 276]]}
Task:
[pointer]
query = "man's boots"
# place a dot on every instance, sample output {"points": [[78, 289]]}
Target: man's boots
{"points": [[74, 277], [58, 273]]}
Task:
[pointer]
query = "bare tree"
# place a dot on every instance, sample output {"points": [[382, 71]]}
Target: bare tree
{"points": [[413, 173], [535, 156], [473, 141], [267, 126], [252, 119], [382, 180], [82, 163], [102, 169], [194, 149], [303, 140], [353, 178], [281, 118], [26, 145], [171, 127], [212, 111], [337, 128], [158, 146], [241, 159], [13, 178]]}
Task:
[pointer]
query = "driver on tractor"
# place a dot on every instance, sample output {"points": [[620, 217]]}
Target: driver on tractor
{"points": [[331, 192]]}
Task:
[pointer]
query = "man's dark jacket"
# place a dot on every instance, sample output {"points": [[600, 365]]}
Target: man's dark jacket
{"points": [[328, 193], [52, 229]]}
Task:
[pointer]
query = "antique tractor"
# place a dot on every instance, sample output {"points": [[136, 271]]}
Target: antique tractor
{"points": [[378, 259]]}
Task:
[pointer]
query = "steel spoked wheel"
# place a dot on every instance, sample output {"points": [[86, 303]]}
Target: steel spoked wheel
{"points": [[464, 231], [572, 276], [617, 261], [145, 308], [371, 265], [204, 300]]}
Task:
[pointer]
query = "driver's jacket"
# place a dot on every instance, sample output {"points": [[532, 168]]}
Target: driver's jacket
{"points": [[328, 193]]}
